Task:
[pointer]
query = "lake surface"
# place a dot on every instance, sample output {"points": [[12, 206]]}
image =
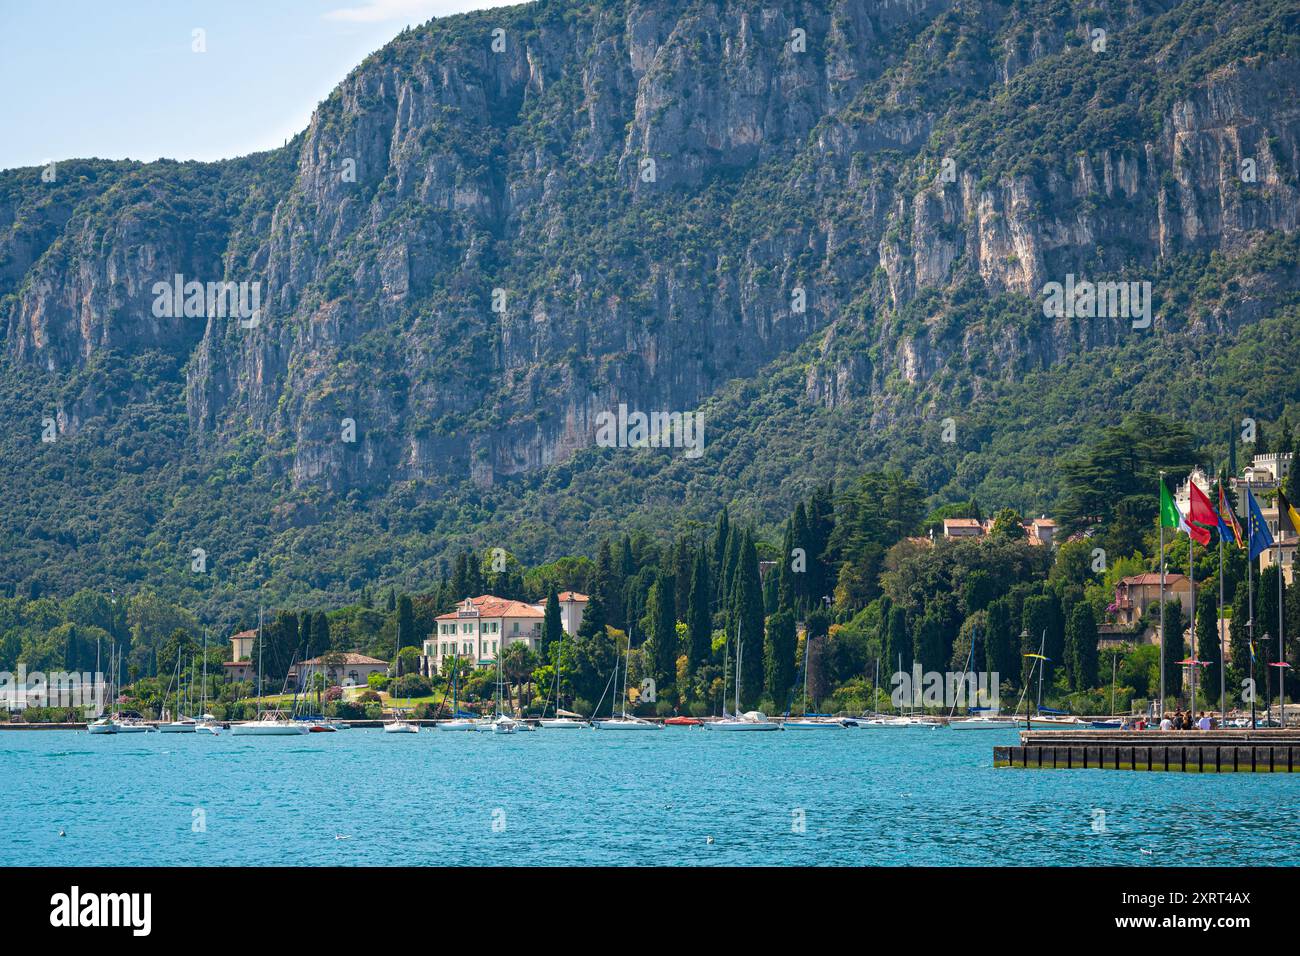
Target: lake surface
{"points": [[863, 797]]}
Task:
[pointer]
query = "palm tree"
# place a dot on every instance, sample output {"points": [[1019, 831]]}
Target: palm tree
{"points": [[517, 663]]}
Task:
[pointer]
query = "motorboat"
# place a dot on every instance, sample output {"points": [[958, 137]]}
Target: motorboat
{"points": [[683, 722], [401, 727], [184, 725]]}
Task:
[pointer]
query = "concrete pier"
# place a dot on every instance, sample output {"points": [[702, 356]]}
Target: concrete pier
{"points": [[1182, 751]]}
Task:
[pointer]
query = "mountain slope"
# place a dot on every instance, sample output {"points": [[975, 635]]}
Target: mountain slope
{"points": [[472, 254]]}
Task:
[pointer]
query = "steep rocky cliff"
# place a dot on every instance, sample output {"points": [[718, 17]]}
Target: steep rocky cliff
{"points": [[503, 224]]}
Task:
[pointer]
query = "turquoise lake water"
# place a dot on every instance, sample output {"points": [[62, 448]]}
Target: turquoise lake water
{"points": [[869, 797]]}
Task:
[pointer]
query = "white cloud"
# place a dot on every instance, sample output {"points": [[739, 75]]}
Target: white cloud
{"points": [[411, 11]]}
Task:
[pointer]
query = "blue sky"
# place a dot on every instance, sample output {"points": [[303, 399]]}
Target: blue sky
{"points": [[117, 79]]}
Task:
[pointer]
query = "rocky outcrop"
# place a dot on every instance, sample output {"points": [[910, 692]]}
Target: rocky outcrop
{"points": [[480, 243]]}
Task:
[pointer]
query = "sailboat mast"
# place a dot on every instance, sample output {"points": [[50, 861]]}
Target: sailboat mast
{"points": [[740, 653], [205, 670], [259, 662]]}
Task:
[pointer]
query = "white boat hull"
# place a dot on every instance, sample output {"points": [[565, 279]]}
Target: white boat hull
{"points": [[619, 723], [812, 725], [401, 727], [562, 723], [978, 724], [269, 728], [451, 726], [178, 727], [742, 725], [212, 729], [107, 727]]}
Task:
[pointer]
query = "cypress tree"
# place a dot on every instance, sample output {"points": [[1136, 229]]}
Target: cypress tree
{"points": [[699, 618], [320, 634], [405, 622], [779, 656], [802, 542], [683, 565], [663, 630], [749, 624], [552, 626], [1174, 646], [1081, 639], [721, 537]]}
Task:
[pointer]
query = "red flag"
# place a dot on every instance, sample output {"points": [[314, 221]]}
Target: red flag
{"points": [[1202, 517]]}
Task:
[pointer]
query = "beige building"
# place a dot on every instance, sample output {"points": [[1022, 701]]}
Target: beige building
{"points": [[479, 628], [349, 670], [572, 606], [1133, 595], [241, 666]]}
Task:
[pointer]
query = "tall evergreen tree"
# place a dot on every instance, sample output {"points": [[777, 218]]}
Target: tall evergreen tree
{"points": [[609, 585], [779, 656], [405, 622], [749, 624], [898, 655], [1081, 643], [718, 550], [683, 565], [320, 634], [552, 626], [803, 550], [699, 618], [663, 631], [1002, 642], [1174, 645]]}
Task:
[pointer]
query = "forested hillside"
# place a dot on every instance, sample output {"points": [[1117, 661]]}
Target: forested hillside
{"points": [[826, 227]]}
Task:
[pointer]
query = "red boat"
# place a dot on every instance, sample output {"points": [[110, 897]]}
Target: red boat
{"points": [[683, 722]]}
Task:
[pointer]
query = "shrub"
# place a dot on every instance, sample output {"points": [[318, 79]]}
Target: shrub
{"points": [[333, 693], [410, 685]]}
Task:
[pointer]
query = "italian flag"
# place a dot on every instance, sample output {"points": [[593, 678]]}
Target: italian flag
{"points": [[1171, 517]]}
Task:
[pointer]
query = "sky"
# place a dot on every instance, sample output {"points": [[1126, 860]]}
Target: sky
{"points": [[119, 79]]}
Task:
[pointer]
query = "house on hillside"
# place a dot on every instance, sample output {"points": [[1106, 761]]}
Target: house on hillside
{"points": [[483, 626], [241, 665]]}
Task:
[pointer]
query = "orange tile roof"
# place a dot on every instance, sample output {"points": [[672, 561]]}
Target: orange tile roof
{"points": [[489, 605], [572, 596]]}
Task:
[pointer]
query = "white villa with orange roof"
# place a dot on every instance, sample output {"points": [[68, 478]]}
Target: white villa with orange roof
{"points": [[484, 625]]}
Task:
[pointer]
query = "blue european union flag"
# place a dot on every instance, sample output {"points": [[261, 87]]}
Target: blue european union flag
{"points": [[1260, 539]]}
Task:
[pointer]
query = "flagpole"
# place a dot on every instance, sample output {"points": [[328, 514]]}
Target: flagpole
{"points": [[1161, 711], [1191, 574], [1250, 599], [1281, 652], [1218, 621]]}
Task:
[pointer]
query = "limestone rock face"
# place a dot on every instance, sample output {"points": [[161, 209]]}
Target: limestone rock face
{"points": [[478, 246]]}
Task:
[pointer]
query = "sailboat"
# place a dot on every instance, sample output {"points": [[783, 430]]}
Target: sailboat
{"points": [[810, 721], [981, 720], [624, 720], [751, 719], [397, 725], [499, 722], [207, 723], [457, 722], [563, 719], [271, 723], [103, 724], [182, 724]]}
